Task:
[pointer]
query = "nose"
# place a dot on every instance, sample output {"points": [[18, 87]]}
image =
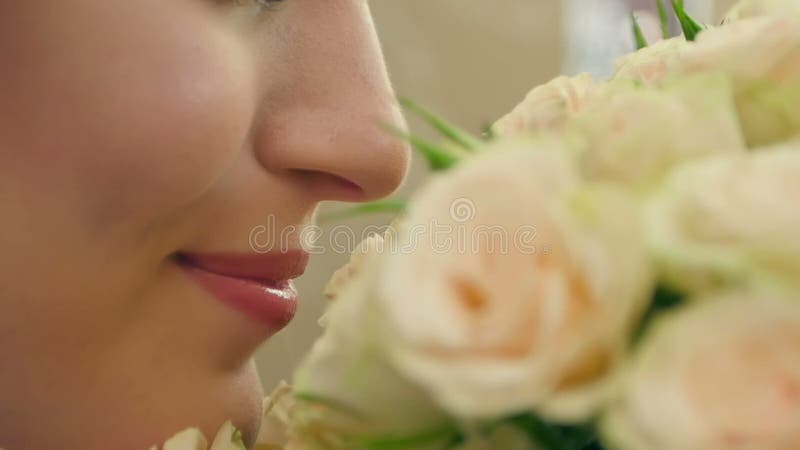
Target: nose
{"points": [[323, 118]]}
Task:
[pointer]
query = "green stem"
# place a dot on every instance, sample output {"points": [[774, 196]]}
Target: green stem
{"points": [[378, 207], [689, 26], [641, 41], [450, 131], [438, 158], [440, 434], [663, 18]]}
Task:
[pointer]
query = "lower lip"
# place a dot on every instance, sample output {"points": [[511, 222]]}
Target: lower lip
{"points": [[272, 303]]}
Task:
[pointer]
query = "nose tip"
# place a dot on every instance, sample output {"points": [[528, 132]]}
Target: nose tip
{"points": [[342, 155], [324, 113], [384, 165]]}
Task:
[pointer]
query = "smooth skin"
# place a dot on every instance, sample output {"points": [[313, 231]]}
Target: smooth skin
{"points": [[132, 130]]}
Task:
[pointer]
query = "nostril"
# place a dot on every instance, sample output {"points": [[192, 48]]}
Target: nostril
{"points": [[328, 186], [348, 185]]}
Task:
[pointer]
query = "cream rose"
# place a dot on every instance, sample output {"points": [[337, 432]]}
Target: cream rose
{"points": [[548, 107], [652, 64], [762, 57], [723, 374], [635, 134], [228, 438], [729, 220], [749, 50], [348, 391], [369, 248], [189, 439], [278, 409], [747, 9], [515, 285]]}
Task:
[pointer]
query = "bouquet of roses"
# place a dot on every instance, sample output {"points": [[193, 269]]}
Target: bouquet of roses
{"points": [[616, 264]]}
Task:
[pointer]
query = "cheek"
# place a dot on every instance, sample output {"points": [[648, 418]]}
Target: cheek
{"points": [[165, 141], [129, 128]]}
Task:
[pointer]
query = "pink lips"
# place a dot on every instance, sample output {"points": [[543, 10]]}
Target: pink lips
{"points": [[258, 285]]}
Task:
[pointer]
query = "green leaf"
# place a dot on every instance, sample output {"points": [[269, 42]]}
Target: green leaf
{"points": [[689, 26], [664, 299], [237, 439], [547, 436], [582, 437], [663, 19], [443, 434], [378, 207], [450, 131], [456, 441], [638, 36], [438, 158]]}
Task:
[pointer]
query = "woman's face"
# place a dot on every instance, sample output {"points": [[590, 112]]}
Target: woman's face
{"points": [[132, 132]]}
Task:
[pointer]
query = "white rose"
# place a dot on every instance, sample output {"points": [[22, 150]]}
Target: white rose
{"points": [[746, 9], [729, 220], [635, 134], [548, 107], [749, 50], [515, 285], [369, 248], [189, 439], [723, 374], [762, 57], [278, 407], [228, 438], [347, 390], [653, 63]]}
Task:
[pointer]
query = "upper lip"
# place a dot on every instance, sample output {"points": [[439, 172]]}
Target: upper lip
{"points": [[276, 266]]}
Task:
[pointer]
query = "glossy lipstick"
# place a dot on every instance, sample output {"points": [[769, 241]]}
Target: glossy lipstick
{"points": [[258, 285]]}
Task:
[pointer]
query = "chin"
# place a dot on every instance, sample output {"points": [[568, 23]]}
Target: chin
{"points": [[207, 405], [242, 403]]}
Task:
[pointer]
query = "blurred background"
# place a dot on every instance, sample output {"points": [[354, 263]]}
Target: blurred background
{"points": [[470, 61]]}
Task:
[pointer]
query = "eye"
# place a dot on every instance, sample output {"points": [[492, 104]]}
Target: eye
{"points": [[268, 3], [260, 3]]}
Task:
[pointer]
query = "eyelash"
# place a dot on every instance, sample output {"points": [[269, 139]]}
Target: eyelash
{"points": [[261, 3], [268, 3]]}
